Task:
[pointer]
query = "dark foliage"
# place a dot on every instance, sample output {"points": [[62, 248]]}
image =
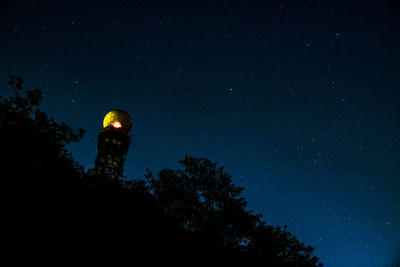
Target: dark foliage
{"points": [[204, 201], [69, 218]]}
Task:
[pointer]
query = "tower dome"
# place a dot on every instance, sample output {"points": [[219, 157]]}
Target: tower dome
{"points": [[118, 118]]}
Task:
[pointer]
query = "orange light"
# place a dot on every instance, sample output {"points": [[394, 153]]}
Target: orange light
{"points": [[116, 124]]}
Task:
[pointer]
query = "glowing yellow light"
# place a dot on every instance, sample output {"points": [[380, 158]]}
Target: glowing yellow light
{"points": [[118, 115], [116, 124]]}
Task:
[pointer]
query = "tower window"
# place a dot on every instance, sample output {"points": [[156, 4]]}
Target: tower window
{"points": [[116, 124]]}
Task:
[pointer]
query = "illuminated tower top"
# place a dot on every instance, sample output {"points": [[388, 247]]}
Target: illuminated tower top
{"points": [[113, 144], [118, 119]]}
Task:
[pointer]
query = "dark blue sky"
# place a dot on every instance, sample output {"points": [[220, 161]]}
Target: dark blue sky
{"points": [[299, 100]]}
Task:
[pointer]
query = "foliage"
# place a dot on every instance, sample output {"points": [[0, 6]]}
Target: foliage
{"points": [[37, 171], [279, 247], [191, 216], [203, 199], [38, 135]]}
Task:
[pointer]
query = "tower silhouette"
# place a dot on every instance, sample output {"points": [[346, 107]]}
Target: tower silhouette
{"points": [[113, 144]]}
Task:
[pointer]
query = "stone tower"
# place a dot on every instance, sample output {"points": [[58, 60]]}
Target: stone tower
{"points": [[113, 144]]}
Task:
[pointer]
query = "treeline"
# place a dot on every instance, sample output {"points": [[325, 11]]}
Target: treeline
{"points": [[190, 216]]}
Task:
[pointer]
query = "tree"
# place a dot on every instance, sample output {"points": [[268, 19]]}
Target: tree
{"points": [[278, 247], [51, 203], [25, 128], [177, 215], [203, 199], [38, 174], [33, 146]]}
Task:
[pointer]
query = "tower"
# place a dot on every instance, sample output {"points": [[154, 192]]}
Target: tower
{"points": [[113, 144]]}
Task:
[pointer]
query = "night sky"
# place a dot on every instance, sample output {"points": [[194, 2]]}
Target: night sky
{"points": [[299, 100]]}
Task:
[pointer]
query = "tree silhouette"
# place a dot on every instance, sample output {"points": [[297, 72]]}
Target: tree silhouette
{"points": [[184, 217], [37, 171], [278, 247], [203, 199], [33, 143]]}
